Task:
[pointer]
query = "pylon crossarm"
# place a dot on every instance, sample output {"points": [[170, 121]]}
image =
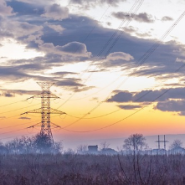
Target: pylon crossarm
{"points": [[33, 111], [55, 111], [46, 95], [45, 109]]}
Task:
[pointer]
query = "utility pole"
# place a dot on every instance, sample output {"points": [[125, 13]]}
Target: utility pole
{"points": [[165, 142], [45, 109], [158, 141], [161, 141]]}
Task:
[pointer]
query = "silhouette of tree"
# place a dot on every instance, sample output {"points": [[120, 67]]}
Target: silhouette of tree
{"points": [[176, 144], [20, 146], [82, 148], [135, 142], [43, 143], [104, 145]]}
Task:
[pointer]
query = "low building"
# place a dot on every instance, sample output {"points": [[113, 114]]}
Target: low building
{"points": [[93, 149], [108, 151]]}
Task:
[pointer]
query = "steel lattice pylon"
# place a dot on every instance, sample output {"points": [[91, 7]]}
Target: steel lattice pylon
{"points": [[45, 109]]}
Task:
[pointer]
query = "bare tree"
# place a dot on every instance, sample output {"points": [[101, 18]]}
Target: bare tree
{"points": [[176, 144], [81, 148], [135, 142], [3, 149], [104, 145], [20, 145], [69, 151]]}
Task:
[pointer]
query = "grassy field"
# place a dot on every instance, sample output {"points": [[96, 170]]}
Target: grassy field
{"points": [[68, 169]]}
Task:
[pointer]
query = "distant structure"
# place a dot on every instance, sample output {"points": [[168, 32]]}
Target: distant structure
{"points": [[45, 109], [161, 141], [108, 151], [93, 149]]}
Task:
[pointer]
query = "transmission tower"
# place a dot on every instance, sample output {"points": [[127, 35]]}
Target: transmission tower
{"points": [[161, 141], [45, 109]]}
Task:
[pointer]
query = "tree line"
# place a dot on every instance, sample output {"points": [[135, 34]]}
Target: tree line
{"points": [[40, 143]]}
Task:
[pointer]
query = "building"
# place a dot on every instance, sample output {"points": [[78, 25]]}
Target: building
{"points": [[93, 149], [108, 151]]}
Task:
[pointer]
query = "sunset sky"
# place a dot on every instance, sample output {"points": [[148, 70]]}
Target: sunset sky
{"points": [[91, 50]]}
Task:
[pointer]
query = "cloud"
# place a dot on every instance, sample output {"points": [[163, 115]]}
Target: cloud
{"points": [[11, 73], [25, 118], [7, 94], [69, 82], [67, 41], [35, 2], [56, 12], [20, 73], [27, 7], [117, 59], [120, 55], [4, 9], [63, 73], [73, 48], [20, 29], [22, 70], [130, 29], [167, 18], [141, 17], [172, 106], [2, 117], [148, 95], [56, 28], [129, 107], [13, 92], [123, 96], [173, 100], [73, 84], [88, 3]]}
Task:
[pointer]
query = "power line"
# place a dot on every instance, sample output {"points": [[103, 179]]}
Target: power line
{"points": [[117, 110], [45, 109], [88, 131], [120, 32], [2, 133], [144, 95], [8, 104], [16, 131], [64, 128], [16, 125], [110, 125], [107, 43], [147, 54], [157, 98], [13, 136], [143, 59], [112, 112], [18, 109], [76, 116]]}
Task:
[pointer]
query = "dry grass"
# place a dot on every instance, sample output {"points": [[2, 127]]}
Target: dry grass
{"points": [[70, 169]]}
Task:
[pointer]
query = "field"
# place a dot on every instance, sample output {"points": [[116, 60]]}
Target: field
{"points": [[72, 169]]}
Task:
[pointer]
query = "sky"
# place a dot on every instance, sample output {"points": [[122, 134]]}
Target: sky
{"points": [[117, 66]]}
